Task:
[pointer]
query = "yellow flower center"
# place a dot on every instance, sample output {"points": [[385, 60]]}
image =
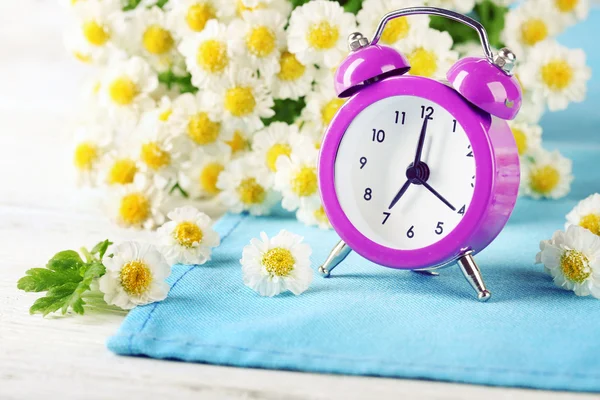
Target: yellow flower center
{"points": [[209, 177], [251, 192], [278, 262], [575, 265], [305, 182], [135, 208], [95, 33], [241, 7], [521, 140], [422, 62], [86, 154], [278, 149], [84, 58], [157, 40], [165, 115], [395, 30], [202, 130], [557, 75], [290, 68], [153, 156], [135, 277], [240, 101], [261, 41], [198, 15], [591, 222], [122, 172], [566, 5], [238, 142], [533, 31], [320, 215], [544, 179], [212, 56], [323, 36], [187, 233], [122, 91], [328, 111]]}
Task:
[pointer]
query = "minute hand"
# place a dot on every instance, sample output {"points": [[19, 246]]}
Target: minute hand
{"points": [[421, 142], [436, 194]]}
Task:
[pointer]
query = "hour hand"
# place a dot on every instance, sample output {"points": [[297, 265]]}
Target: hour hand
{"points": [[399, 194]]}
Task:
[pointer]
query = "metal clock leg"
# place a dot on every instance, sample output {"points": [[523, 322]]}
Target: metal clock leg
{"points": [[473, 275], [337, 255]]}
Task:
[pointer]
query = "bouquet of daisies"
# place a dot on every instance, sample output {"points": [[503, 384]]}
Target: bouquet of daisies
{"points": [[228, 99]]}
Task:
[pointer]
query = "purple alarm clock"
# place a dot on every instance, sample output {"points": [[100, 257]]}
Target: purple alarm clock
{"points": [[417, 174]]}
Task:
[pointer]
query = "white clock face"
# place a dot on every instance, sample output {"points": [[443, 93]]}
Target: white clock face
{"points": [[371, 165]]}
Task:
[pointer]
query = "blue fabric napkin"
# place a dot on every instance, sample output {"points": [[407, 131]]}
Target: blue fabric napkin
{"points": [[370, 320]]}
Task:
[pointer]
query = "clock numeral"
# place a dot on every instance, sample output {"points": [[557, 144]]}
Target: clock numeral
{"points": [[454, 126], [410, 234], [473, 181], [427, 112], [462, 210], [387, 215], [363, 162], [398, 114], [378, 135], [439, 228], [368, 194], [470, 154]]}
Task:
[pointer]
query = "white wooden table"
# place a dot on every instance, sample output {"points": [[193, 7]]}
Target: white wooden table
{"points": [[42, 213]]}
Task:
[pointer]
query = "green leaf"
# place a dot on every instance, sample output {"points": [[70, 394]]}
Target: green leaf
{"points": [[161, 3], [352, 6], [130, 4], [65, 260], [101, 248], [42, 279], [298, 3], [286, 111]]}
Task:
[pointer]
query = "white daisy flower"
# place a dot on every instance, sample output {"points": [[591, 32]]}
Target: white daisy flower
{"points": [[297, 180], [463, 6], [546, 174], [397, 29], [188, 238], [164, 109], [559, 74], [127, 86], [91, 34], [572, 258], [318, 32], [135, 275], [136, 205], [313, 215], [309, 130], [260, 37], [571, 11], [294, 79], [119, 167], [200, 176], [240, 141], [322, 104], [586, 214], [208, 55], [243, 100], [187, 17], [527, 136], [271, 266], [429, 53], [532, 107], [246, 187], [530, 23], [283, 7], [92, 142], [276, 140]]}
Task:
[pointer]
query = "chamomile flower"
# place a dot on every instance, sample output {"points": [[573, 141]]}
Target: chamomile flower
{"points": [[260, 37], [92, 141], [546, 174], [136, 205], [296, 179], [586, 214], [322, 104], [571, 11], [243, 99], [164, 109], [313, 215], [119, 167], [271, 266], [243, 7], [572, 258], [208, 55], [530, 23], [559, 74], [240, 141], [245, 187], [187, 17], [428, 52], [135, 275], [527, 136], [200, 176], [188, 238], [532, 107], [397, 29], [294, 79], [318, 32], [276, 140]]}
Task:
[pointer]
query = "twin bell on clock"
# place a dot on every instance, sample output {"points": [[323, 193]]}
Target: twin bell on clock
{"points": [[418, 174]]}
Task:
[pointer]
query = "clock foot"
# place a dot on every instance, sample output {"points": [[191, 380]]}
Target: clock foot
{"points": [[337, 255], [425, 272], [473, 275]]}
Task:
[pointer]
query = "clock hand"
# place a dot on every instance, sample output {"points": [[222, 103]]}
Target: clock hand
{"points": [[436, 194], [421, 143], [399, 194]]}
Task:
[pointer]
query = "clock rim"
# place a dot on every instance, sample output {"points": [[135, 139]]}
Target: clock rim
{"points": [[475, 124]]}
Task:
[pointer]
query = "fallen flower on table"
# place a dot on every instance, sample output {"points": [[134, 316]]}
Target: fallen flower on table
{"points": [[586, 214], [271, 266]]}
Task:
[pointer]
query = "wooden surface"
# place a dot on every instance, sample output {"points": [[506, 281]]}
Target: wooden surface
{"points": [[41, 212]]}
